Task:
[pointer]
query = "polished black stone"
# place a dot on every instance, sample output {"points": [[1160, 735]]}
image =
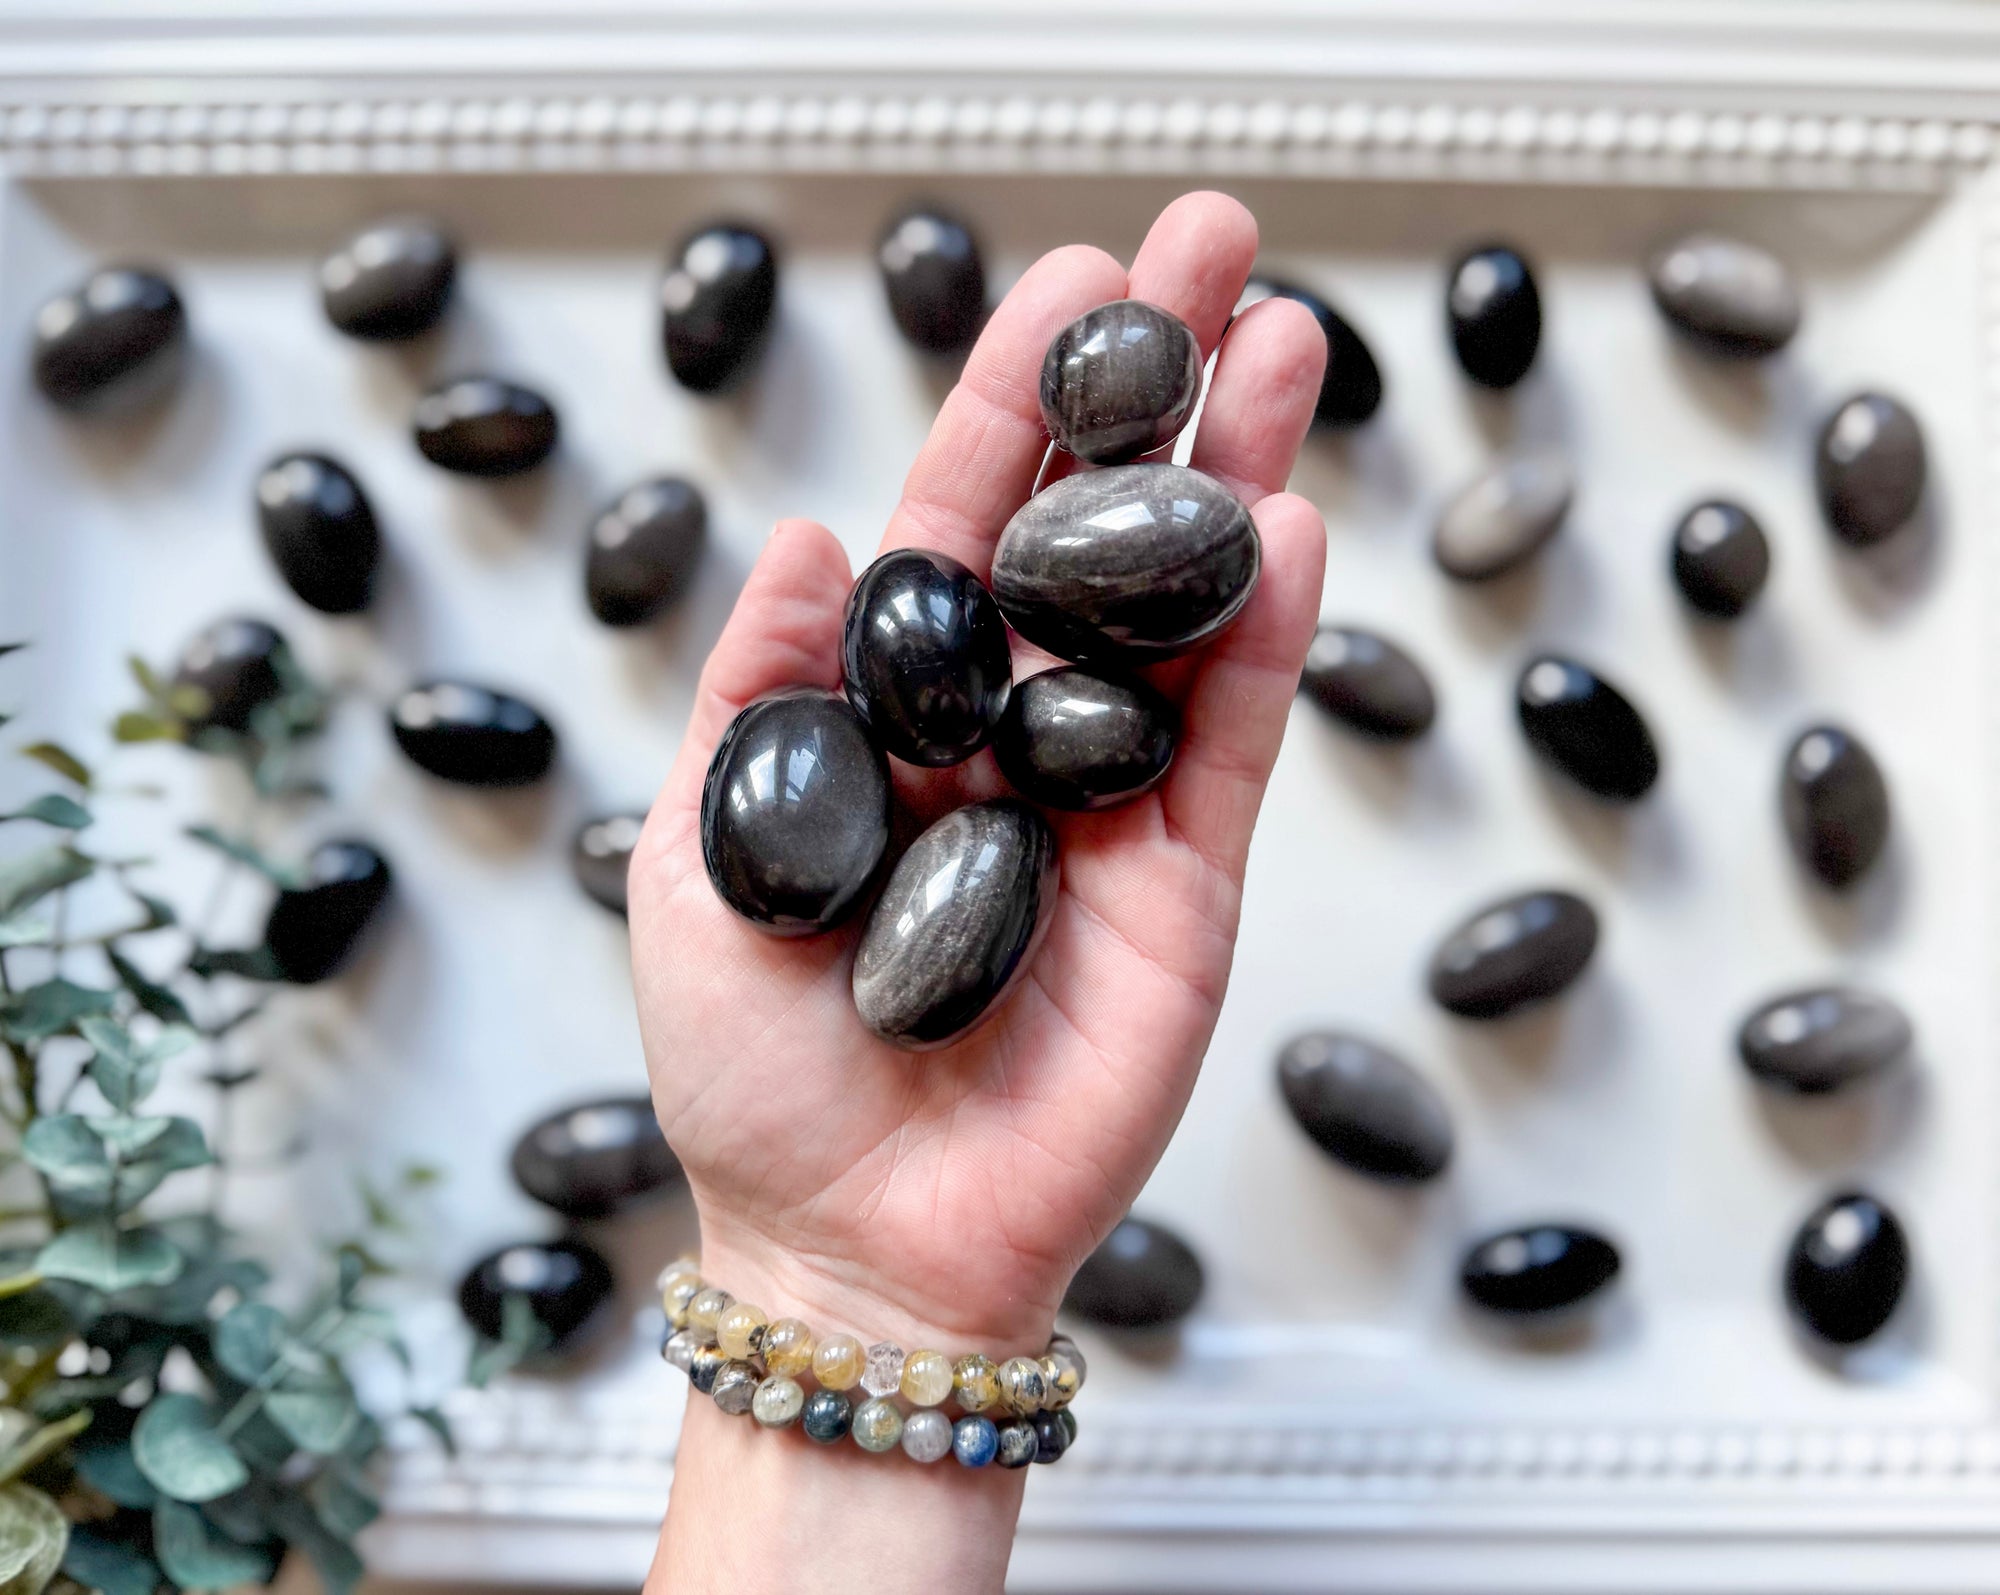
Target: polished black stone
{"points": [[314, 929], [1120, 381], [716, 304], [1728, 297], [472, 735], [1365, 1107], [483, 426], [1503, 516], [1495, 313], [1846, 1269], [1142, 1277], [1721, 558], [1128, 565], [238, 666], [1835, 804], [1368, 684], [1075, 739], [827, 1417], [1051, 1436], [924, 651], [595, 1158], [116, 339], [1869, 468], [957, 925], [1520, 950], [795, 813], [1824, 1039], [564, 1283], [601, 855], [935, 280], [320, 531], [1351, 390], [392, 280], [644, 547], [1586, 728], [1540, 1268]]}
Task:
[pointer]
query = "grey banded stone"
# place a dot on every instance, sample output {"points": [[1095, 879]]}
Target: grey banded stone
{"points": [[1368, 684], [1503, 516], [1728, 297], [1835, 804], [1120, 381], [1521, 950], [1365, 1107], [1824, 1039], [1144, 1276], [592, 1159], [1869, 468]]}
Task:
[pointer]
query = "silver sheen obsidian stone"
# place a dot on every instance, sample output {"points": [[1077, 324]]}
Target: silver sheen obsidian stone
{"points": [[1721, 558], [472, 735], [392, 280], [1364, 681], [1586, 728], [1120, 381], [564, 1284], [115, 341], [319, 530], [1365, 1107], [1503, 516], [1869, 468], [1728, 297], [1835, 804], [313, 929], [644, 546], [1075, 739], [1494, 312], [1847, 1268], [716, 305], [1520, 950], [483, 426], [1824, 1039], [237, 665], [935, 280], [1144, 1276], [1538, 1269], [593, 1159], [601, 856]]}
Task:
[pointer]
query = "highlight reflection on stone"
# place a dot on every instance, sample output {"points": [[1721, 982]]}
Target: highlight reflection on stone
{"points": [[1727, 297], [473, 735], [1847, 1268], [1870, 468], [313, 929], [1144, 1276], [601, 857], [1503, 516], [319, 530], [644, 547], [1371, 686], [237, 666], [116, 340], [1494, 311], [564, 1284], [716, 306], [1824, 1039], [1075, 739], [1586, 728], [1120, 381], [390, 281], [1365, 1107], [1835, 804], [1351, 390], [1521, 950], [935, 280], [484, 426], [593, 1159], [1542, 1268], [1721, 558]]}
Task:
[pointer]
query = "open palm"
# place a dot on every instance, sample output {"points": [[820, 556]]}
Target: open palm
{"points": [[956, 1191]]}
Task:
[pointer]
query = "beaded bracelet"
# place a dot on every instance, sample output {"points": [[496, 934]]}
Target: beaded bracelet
{"points": [[732, 1353]]}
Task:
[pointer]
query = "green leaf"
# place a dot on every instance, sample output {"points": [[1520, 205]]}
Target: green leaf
{"points": [[521, 1336], [358, 1327], [438, 1424], [107, 1467], [333, 1558], [318, 1421], [26, 930], [52, 808], [147, 678], [99, 1562], [177, 1448], [59, 759], [152, 997], [33, 1535], [50, 1008], [263, 1445], [251, 963], [69, 1154], [34, 1321], [249, 1339], [40, 1445], [109, 1259], [343, 1506], [244, 852], [195, 1557], [125, 1069], [32, 876], [159, 912], [134, 727], [151, 1149]]}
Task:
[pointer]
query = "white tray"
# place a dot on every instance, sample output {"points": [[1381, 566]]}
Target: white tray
{"points": [[1329, 1417]]}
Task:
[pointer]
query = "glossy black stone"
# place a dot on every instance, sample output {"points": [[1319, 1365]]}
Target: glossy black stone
{"points": [[1846, 1269], [1051, 1436], [924, 651], [1074, 739], [314, 929], [1495, 313], [1365, 1107], [935, 279], [1120, 381], [1869, 468], [472, 735], [483, 426], [116, 339], [595, 1158], [1541, 1268], [1586, 728], [238, 665], [827, 1417], [1835, 804], [1351, 390], [1142, 1277], [601, 855], [1824, 1039], [644, 547], [1520, 950], [564, 1283], [319, 530], [1128, 565], [1729, 298], [1721, 559], [392, 280], [1368, 684], [795, 813], [716, 303]]}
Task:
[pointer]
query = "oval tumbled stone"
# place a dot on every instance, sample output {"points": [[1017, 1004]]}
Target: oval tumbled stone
{"points": [[644, 546], [314, 929], [795, 813], [390, 281], [236, 666], [1821, 1040], [562, 1283], [1120, 381], [935, 280], [1728, 297], [1869, 468], [1075, 739], [319, 530], [1586, 728], [1368, 684], [957, 924], [1365, 1107], [601, 857], [1835, 804], [1503, 516], [1540, 1268], [1721, 559], [472, 735], [482, 426], [1351, 389], [1846, 1269], [1144, 1276], [1494, 311], [116, 339], [716, 304], [1520, 950], [595, 1158], [1128, 565]]}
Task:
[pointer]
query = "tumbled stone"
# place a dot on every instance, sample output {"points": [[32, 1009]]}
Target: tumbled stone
{"points": [[319, 530], [1520, 950], [716, 304], [1847, 1267], [1495, 314], [1368, 684], [925, 657], [482, 426], [472, 735], [1586, 728], [1541, 1268], [601, 857], [1351, 390], [1503, 516], [1074, 739], [563, 1282], [390, 281], [735, 1387], [1869, 468], [795, 813], [957, 925], [1721, 558], [236, 666], [1128, 565], [1365, 1107], [1120, 381], [1730, 298], [1142, 1277], [115, 340], [1835, 804], [593, 1159], [935, 280], [313, 930], [1824, 1039], [644, 547]]}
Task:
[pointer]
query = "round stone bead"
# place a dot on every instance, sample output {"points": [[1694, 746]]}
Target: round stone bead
{"points": [[704, 1367], [977, 1381], [678, 1349], [1061, 1380], [878, 1424], [677, 1290], [1021, 1386], [1017, 1445], [706, 1310], [778, 1402], [1120, 381], [740, 1330], [826, 1416], [1051, 1437], [1062, 1346], [686, 1263], [837, 1362], [1067, 1417], [1721, 559], [735, 1387], [927, 1377], [927, 1435], [883, 1374], [788, 1347], [974, 1441]]}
